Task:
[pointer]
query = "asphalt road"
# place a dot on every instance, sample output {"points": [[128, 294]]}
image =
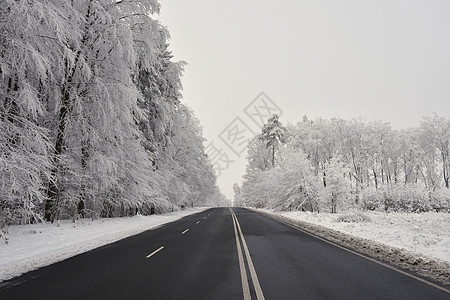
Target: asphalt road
{"points": [[198, 258]]}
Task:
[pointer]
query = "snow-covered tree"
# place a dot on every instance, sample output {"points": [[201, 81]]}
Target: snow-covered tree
{"points": [[337, 192], [354, 146], [299, 185], [35, 44], [272, 136], [188, 159], [90, 104], [317, 140], [438, 130], [237, 200], [218, 199], [360, 165], [97, 145]]}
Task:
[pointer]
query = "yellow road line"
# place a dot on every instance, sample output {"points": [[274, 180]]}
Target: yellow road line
{"points": [[258, 290], [244, 280]]}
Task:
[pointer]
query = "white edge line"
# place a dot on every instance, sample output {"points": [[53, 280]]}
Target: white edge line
{"points": [[366, 257], [154, 252]]}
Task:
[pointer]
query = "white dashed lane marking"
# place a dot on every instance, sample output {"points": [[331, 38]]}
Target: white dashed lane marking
{"points": [[154, 252]]}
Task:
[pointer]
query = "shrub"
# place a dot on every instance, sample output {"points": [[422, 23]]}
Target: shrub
{"points": [[440, 200], [372, 198], [353, 217]]}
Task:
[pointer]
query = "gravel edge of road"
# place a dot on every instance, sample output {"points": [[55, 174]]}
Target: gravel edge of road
{"points": [[429, 268]]}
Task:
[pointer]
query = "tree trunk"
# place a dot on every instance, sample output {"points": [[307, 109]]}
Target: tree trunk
{"points": [[357, 188], [446, 181], [445, 170], [333, 203], [375, 178], [273, 156], [53, 192], [84, 164], [405, 169], [53, 189]]}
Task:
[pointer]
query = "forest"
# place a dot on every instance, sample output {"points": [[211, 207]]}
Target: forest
{"points": [[92, 123], [339, 165]]}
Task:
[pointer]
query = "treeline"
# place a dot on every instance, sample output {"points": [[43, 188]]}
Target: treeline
{"points": [[334, 165], [90, 114]]}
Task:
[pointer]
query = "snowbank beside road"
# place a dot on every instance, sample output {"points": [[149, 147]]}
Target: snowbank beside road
{"points": [[34, 246], [425, 233]]}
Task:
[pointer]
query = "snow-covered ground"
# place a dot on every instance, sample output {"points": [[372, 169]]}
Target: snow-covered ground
{"points": [[33, 246], [425, 233]]}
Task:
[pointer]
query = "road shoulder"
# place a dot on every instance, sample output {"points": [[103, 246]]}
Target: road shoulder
{"points": [[431, 269]]}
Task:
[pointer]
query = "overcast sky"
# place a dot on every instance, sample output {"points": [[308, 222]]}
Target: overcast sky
{"points": [[382, 60]]}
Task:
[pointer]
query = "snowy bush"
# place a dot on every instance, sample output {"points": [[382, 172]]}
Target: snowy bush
{"points": [[353, 217], [440, 200], [372, 198], [406, 198]]}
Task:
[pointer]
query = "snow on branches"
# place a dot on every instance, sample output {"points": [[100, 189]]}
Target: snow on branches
{"points": [[334, 165], [90, 111]]}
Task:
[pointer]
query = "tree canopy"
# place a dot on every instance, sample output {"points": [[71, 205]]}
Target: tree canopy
{"points": [[91, 114], [331, 165]]}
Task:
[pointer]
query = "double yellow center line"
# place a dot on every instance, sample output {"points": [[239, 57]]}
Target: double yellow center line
{"points": [[245, 287]]}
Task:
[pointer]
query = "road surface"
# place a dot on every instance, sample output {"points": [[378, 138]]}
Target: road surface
{"points": [[220, 254]]}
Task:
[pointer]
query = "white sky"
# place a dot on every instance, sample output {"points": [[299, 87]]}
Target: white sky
{"points": [[384, 60]]}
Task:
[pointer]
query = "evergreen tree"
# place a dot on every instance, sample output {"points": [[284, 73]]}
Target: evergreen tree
{"points": [[273, 135]]}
